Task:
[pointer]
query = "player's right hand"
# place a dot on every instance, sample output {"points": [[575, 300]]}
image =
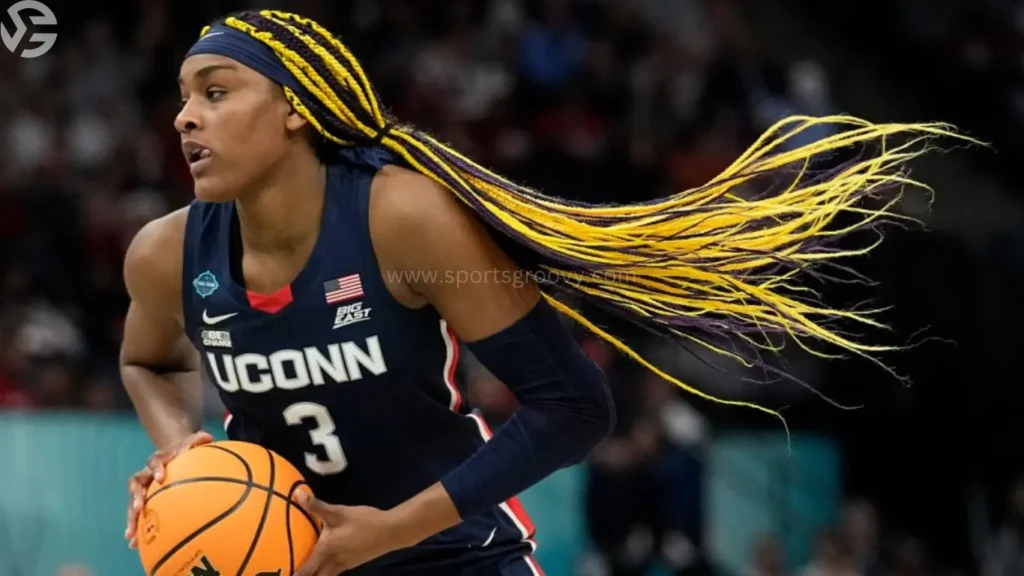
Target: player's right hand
{"points": [[154, 472]]}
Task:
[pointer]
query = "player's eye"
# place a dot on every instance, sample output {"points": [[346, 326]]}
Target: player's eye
{"points": [[214, 94]]}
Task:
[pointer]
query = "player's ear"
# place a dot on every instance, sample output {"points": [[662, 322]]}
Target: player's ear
{"points": [[295, 121]]}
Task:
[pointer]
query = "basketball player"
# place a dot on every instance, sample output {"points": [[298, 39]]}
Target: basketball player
{"points": [[334, 259]]}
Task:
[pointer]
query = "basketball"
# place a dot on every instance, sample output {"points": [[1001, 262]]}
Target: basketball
{"points": [[226, 508]]}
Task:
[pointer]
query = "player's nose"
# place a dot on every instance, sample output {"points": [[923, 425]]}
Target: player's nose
{"points": [[187, 119]]}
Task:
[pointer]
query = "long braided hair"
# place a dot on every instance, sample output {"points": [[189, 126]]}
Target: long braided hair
{"points": [[693, 267]]}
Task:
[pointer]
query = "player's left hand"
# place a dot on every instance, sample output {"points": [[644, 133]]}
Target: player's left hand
{"points": [[351, 536]]}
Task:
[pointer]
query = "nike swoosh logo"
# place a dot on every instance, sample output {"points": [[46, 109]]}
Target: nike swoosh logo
{"points": [[211, 320], [491, 537]]}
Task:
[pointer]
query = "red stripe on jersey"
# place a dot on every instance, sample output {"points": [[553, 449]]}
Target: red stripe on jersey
{"points": [[534, 565], [515, 507], [451, 364], [450, 376], [521, 515]]}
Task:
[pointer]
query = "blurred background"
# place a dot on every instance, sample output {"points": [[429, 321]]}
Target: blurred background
{"points": [[595, 100]]}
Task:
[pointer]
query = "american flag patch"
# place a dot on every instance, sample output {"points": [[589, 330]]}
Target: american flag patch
{"points": [[344, 288]]}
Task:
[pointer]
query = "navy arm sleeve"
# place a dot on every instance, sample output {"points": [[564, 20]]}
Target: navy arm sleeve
{"points": [[565, 410]]}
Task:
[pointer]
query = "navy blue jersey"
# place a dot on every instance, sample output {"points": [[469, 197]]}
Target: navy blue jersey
{"points": [[332, 373]]}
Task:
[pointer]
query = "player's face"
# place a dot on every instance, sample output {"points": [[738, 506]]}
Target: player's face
{"points": [[234, 125]]}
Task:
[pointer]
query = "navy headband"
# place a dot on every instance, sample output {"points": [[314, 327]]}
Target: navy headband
{"points": [[246, 50]]}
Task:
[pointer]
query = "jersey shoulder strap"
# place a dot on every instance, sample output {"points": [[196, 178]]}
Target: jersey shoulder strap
{"points": [[202, 257]]}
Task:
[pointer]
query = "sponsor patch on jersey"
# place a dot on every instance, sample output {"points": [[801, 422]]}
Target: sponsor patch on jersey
{"points": [[215, 338], [351, 314]]}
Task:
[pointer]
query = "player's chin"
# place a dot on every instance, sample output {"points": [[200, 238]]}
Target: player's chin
{"points": [[213, 189]]}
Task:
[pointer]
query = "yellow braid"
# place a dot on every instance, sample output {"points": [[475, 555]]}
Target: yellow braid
{"points": [[696, 254]]}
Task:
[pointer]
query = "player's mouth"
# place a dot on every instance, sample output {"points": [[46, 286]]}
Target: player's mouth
{"points": [[197, 155]]}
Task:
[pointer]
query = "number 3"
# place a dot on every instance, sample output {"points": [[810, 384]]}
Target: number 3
{"points": [[322, 435]]}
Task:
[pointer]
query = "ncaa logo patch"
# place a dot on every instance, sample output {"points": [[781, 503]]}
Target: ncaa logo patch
{"points": [[205, 284]]}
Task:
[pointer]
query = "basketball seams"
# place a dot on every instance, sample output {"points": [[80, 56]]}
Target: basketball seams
{"points": [[254, 486], [248, 469], [288, 519], [250, 485], [216, 520], [266, 511], [288, 526]]}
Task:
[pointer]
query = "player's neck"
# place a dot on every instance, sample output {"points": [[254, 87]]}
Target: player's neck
{"points": [[284, 214]]}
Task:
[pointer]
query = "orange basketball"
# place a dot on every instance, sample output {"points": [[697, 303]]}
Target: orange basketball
{"points": [[226, 508]]}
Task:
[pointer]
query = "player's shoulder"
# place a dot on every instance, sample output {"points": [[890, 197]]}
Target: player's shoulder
{"points": [[153, 262], [407, 204]]}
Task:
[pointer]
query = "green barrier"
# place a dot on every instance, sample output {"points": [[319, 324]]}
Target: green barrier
{"points": [[63, 497], [759, 484]]}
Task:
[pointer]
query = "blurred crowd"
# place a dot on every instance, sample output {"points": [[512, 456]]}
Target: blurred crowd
{"points": [[601, 101], [959, 59], [593, 101]]}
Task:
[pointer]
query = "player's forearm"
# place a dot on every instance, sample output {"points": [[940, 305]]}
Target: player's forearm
{"points": [[169, 405], [527, 449], [566, 410], [428, 513]]}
